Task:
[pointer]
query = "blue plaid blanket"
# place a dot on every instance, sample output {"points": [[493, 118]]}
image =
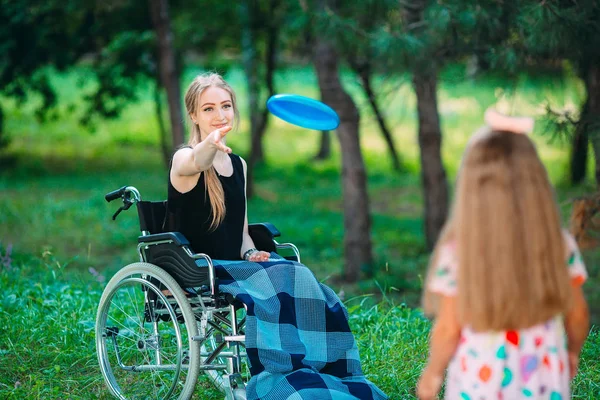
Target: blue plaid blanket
{"points": [[298, 341]]}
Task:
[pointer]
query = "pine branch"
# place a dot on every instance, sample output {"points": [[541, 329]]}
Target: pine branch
{"points": [[561, 115], [411, 6]]}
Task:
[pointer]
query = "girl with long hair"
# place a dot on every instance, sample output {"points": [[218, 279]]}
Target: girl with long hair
{"points": [[504, 281]]}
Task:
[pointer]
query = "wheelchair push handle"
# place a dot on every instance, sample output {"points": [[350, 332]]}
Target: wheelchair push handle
{"points": [[115, 194], [128, 194]]}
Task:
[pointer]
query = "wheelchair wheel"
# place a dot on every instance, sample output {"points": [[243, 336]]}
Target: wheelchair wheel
{"points": [[144, 338]]}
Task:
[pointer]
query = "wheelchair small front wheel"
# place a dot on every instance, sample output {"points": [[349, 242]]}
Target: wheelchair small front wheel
{"points": [[239, 394], [144, 336]]}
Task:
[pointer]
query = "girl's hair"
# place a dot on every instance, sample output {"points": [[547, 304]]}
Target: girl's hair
{"points": [[506, 230], [211, 181]]}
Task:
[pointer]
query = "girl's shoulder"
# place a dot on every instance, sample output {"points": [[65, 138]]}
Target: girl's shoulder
{"points": [[443, 270], [574, 259], [570, 242], [447, 252]]}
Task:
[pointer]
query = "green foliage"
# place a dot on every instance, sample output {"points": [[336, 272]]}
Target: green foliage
{"points": [[33, 36], [63, 173], [423, 34], [565, 29], [40, 37]]}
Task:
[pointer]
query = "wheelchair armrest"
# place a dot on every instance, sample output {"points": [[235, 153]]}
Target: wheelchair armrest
{"points": [[263, 235], [171, 252], [176, 237], [265, 228]]}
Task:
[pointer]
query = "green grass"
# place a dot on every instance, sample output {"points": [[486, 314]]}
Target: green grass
{"points": [[47, 342], [53, 215]]}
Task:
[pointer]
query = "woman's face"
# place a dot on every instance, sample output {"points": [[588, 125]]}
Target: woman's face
{"points": [[215, 110]]}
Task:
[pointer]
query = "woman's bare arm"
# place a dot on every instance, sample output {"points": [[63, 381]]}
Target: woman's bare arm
{"points": [[192, 161]]}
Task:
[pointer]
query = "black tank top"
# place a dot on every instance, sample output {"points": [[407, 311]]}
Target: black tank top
{"points": [[190, 213]]}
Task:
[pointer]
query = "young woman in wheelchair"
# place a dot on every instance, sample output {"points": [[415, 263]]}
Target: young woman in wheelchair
{"points": [[207, 165], [298, 340]]}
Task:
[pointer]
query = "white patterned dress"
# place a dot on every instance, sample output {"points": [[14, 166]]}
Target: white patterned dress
{"points": [[529, 363]]}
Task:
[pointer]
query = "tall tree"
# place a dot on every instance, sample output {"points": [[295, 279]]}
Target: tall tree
{"points": [[357, 221], [433, 174], [407, 36], [364, 70], [569, 30], [355, 22], [422, 36], [324, 146], [590, 118], [165, 141], [169, 74], [307, 44], [257, 24]]}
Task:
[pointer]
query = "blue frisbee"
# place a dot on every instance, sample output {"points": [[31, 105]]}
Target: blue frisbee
{"points": [[303, 111]]}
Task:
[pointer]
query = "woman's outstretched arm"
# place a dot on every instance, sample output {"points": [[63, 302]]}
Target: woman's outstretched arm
{"points": [[191, 161]]}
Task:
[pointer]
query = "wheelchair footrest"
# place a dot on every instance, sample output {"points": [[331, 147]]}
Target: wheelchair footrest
{"points": [[213, 367], [235, 338]]}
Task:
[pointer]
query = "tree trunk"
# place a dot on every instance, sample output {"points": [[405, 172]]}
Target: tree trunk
{"points": [[250, 69], [3, 139], [593, 90], [364, 74], [591, 117], [433, 174], [249, 58], [588, 128], [581, 138], [169, 76], [579, 153], [258, 115], [164, 147], [357, 222], [324, 146]]}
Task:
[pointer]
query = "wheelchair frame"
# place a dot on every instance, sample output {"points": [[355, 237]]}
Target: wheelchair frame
{"points": [[163, 319]]}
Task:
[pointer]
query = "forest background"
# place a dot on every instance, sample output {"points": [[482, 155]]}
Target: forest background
{"points": [[91, 100]]}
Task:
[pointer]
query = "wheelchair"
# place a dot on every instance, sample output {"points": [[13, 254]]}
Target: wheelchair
{"points": [[163, 321]]}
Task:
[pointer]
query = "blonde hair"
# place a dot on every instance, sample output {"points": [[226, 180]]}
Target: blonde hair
{"points": [[507, 233], [212, 184]]}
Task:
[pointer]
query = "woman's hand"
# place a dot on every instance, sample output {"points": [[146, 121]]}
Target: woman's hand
{"points": [[429, 385], [215, 138], [259, 256]]}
